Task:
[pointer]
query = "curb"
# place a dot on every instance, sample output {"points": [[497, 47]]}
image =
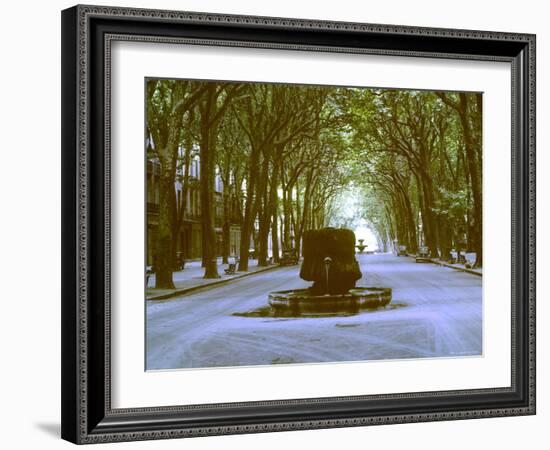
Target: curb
{"points": [[461, 269], [208, 285], [450, 266]]}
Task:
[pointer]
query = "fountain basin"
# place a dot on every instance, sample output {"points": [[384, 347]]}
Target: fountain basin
{"points": [[302, 302]]}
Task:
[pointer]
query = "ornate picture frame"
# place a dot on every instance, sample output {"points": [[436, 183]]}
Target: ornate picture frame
{"points": [[88, 33]]}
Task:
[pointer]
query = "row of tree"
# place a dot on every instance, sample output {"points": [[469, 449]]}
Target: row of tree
{"points": [[276, 148], [421, 155], [284, 153]]}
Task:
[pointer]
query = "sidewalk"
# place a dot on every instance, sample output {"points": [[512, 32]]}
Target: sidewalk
{"points": [[460, 267], [470, 257], [191, 279]]}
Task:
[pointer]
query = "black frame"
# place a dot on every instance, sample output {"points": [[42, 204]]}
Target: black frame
{"points": [[87, 416]]}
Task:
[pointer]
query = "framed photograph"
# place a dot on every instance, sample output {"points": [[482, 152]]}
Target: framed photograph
{"points": [[279, 224]]}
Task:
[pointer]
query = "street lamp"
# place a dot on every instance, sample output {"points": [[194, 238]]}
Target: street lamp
{"points": [[327, 262]]}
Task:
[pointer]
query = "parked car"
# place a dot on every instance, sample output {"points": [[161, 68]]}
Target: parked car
{"points": [[423, 254], [402, 250], [289, 257]]}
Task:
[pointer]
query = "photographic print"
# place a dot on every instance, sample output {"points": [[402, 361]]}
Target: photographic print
{"points": [[294, 224], [310, 209]]}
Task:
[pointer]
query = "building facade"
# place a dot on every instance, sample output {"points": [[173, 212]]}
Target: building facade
{"points": [[189, 239]]}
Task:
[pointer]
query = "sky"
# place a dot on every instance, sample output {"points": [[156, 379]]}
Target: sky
{"points": [[348, 214]]}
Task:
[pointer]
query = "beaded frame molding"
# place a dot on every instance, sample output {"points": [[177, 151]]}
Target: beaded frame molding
{"points": [[87, 34]]}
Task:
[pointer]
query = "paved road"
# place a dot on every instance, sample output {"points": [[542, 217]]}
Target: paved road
{"points": [[437, 312]]}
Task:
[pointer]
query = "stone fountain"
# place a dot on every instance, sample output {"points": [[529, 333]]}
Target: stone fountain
{"points": [[329, 262], [361, 246]]}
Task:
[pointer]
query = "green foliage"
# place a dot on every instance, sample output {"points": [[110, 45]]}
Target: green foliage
{"points": [[406, 161]]}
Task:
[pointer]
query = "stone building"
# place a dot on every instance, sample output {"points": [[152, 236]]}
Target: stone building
{"points": [[190, 235]]}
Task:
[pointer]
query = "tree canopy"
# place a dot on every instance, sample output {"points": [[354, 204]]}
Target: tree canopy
{"points": [[287, 153]]}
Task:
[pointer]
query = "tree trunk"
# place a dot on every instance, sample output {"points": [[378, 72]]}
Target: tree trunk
{"points": [[207, 158], [275, 235], [226, 242], [249, 210], [226, 227], [428, 217], [181, 208], [286, 218], [264, 215], [274, 211], [412, 245], [163, 263], [475, 177]]}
